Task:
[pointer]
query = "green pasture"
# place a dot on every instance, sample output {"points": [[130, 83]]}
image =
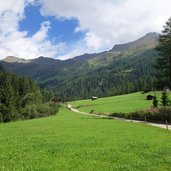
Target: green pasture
{"points": [[71, 141], [123, 103]]}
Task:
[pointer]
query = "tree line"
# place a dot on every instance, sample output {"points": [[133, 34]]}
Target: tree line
{"points": [[21, 98]]}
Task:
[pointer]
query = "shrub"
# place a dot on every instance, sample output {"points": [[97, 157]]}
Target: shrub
{"points": [[1, 117], [152, 115], [155, 102], [34, 111], [165, 99], [91, 111]]}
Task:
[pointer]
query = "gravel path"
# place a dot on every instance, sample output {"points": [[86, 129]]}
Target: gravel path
{"points": [[127, 120]]}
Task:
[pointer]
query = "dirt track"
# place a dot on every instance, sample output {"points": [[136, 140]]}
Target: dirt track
{"points": [[127, 120]]}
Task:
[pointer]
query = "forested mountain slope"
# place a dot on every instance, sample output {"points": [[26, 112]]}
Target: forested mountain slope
{"points": [[125, 68]]}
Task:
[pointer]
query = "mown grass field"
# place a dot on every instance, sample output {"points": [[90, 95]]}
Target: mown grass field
{"points": [[123, 103], [71, 141]]}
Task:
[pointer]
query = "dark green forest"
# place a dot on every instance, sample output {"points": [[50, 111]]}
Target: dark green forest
{"points": [[21, 98], [122, 76]]}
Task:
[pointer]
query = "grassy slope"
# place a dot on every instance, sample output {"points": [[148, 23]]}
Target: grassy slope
{"points": [[71, 141], [124, 103]]}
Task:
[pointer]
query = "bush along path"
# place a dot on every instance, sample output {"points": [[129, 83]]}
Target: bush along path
{"points": [[164, 126]]}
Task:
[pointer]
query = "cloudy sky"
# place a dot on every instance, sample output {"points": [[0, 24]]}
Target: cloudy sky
{"points": [[67, 28]]}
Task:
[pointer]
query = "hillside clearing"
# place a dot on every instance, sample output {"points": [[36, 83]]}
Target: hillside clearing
{"points": [[123, 103]]}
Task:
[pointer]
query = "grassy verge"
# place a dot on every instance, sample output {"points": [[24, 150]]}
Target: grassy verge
{"points": [[70, 141], [157, 115]]}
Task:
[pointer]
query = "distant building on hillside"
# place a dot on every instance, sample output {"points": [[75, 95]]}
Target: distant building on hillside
{"points": [[93, 98], [166, 89], [150, 97], [57, 100]]}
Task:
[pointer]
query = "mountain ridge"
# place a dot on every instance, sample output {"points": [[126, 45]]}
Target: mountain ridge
{"points": [[13, 59], [123, 69], [152, 36]]}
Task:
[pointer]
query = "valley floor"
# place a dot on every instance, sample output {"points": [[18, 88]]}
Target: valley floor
{"points": [[70, 141]]}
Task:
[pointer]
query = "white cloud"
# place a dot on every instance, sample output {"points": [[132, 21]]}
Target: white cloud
{"points": [[71, 54], [111, 21], [42, 33], [16, 43], [105, 22], [92, 40]]}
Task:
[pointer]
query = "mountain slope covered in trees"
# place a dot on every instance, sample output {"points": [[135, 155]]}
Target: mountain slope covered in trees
{"points": [[125, 68]]}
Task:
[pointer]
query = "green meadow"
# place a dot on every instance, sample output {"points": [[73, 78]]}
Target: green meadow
{"points": [[123, 103], [71, 141]]}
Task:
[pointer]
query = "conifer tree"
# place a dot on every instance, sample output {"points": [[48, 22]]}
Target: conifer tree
{"points": [[155, 102], [164, 61], [165, 99]]}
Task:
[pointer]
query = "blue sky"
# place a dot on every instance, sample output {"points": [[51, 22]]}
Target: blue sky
{"points": [[61, 30], [64, 29]]}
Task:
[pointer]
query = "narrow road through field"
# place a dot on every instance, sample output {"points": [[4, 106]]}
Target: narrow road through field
{"points": [[127, 120]]}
